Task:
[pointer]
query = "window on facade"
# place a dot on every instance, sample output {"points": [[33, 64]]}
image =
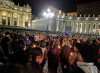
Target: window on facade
{"points": [[15, 15], [4, 13], [26, 23], [15, 21], [3, 20], [8, 20], [93, 28]]}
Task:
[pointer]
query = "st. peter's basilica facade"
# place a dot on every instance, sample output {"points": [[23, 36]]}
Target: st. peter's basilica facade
{"points": [[14, 15]]}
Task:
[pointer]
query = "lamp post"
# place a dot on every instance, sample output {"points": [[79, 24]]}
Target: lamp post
{"points": [[48, 14]]}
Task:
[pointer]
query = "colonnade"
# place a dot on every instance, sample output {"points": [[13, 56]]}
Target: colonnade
{"points": [[79, 27]]}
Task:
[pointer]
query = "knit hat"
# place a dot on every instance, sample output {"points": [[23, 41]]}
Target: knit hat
{"points": [[88, 52]]}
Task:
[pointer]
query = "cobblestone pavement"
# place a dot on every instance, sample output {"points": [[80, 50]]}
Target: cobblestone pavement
{"points": [[45, 69]]}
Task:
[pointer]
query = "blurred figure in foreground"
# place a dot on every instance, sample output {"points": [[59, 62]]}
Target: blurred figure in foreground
{"points": [[54, 57], [36, 56], [64, 57], [87, 55]]}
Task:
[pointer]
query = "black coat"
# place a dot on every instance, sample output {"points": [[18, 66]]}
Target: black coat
{"points": [[19, 57], [34, 68], [12, 69], [76, 70]]}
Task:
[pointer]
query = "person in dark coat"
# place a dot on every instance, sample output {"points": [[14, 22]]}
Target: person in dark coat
{"points": [[14, 44], [64, 57], [98, 48], [11, 68], [3, 60], [20, 57], [5, 45], [54, 57], [36, 56], [44, 51]]}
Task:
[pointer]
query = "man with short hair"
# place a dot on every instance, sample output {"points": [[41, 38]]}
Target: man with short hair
{"points": [[87, 56], [36, 56], [44, 51]]}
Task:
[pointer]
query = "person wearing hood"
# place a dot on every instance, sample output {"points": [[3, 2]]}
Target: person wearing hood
{"points": [[87, 55]]}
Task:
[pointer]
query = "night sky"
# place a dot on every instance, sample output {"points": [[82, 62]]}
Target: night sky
{"points": [[64, 5]]}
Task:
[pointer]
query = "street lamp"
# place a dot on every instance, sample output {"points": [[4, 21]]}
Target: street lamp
{"points": [[93, 30], [48, 14]]}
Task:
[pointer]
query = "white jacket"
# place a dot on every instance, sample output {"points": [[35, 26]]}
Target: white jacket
{"points": [[87, 67]]}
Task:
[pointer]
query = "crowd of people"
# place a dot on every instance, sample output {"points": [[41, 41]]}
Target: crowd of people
{"points": [[29, 52]]}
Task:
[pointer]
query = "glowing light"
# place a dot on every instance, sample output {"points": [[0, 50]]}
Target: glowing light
{"points": [[58, 46], [93, 30], [4, 17], [44, 14], [98, 30], [21, 9], [62, 16], [71, 54], [15, 8], [48, 14], [70, 46], [48, 10], [4, 13], [52, 14], [57, 29], [34, 45], [78, 18], [87, 18], [29, 24], [58, 16], [27, 18], [68, 32], [96, 18], [70, 17]]}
